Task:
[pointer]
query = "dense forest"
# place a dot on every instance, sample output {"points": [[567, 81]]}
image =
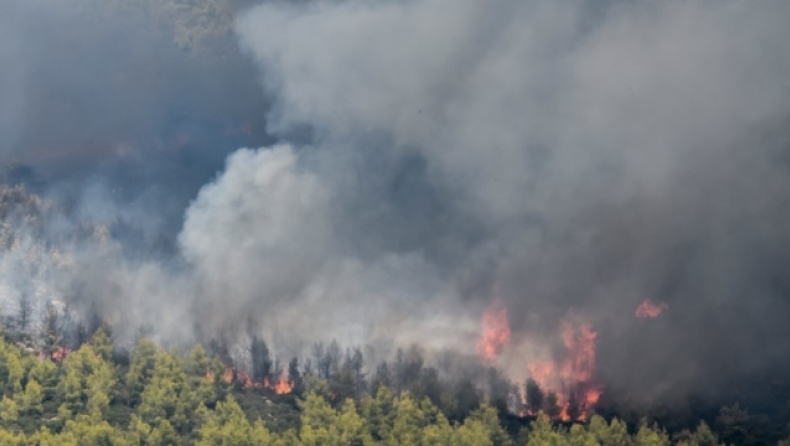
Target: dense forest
{"points": [[98, 394]]}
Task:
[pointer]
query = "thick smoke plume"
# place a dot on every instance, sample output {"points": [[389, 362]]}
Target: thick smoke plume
{"points": [[585, 156], [434, 157]]}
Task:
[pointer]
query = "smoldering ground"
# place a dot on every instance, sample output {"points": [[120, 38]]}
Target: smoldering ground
{"points": [[433, 156]]}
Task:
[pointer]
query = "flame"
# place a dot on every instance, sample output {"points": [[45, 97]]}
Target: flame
{"points": [[580, 345], [574, 375], [58, 355], [592, 395], [571, 379], [227, 375], [542, 372], [282, 386], [495, 331], [650, 310], [244, 379]]}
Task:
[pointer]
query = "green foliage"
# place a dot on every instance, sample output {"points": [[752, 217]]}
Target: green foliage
{"points": [[614, 434], [9, 411], [650, 436], [167, 398], [543, 433]]}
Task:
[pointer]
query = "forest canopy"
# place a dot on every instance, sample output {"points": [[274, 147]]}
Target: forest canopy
{"points": [[99, 395]]}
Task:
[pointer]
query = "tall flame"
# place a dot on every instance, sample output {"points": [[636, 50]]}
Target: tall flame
{"points": [[650, 310], [282, 386], [572, 379], [227, 375], [580, 345], [495, 331]]}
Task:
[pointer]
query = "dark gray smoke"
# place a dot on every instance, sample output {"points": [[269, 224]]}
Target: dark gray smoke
{"points": [[136, 102], [585, 156], [433, 156]]}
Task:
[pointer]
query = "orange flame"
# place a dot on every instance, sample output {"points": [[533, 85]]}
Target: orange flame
{"points": [[244, 379], [542, 372], [495, 331], [580, 344], [575, 374], [282, 386], [58, 355], [227, 376], [650, 310]]}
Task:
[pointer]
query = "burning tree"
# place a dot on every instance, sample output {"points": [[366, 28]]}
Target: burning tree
{"points": [[495, 331]]}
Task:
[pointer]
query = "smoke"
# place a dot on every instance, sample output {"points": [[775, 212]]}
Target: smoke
{"points": [[264, 236], [432, 157], [139, 102], [586, 156]]}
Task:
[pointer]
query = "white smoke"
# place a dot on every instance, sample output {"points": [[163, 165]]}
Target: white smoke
{"points": [[261, 242]]}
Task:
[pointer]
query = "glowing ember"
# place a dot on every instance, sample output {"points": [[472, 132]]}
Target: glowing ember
{"points": [[282, 386], [650, 310], [495, 331]]}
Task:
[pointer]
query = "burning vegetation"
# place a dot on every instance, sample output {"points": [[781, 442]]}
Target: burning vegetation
{"points": [[563, 390], [495, 331], [326, 203], [650, 310]]}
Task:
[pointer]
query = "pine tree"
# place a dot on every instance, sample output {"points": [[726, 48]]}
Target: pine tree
{"points": [[534, 396], [261, 361], [551, 406], [294, 377]]}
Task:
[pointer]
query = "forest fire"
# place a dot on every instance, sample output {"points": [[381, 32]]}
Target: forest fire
{"points": [[580, 344], [282, 386], [57, 355], [244, 379], [571, 381], [495, 331], [650, 310]]}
